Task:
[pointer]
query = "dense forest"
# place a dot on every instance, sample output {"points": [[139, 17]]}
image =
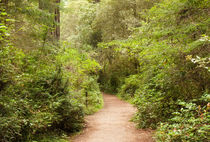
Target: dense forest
{"points": [[57, 56]]}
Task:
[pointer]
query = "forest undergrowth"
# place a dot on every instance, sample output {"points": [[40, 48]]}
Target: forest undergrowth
{"points": [[162, 66], [46, 86], [57, 56]]}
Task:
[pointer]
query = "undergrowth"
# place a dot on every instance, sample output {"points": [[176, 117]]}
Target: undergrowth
{"points": [[42, 90], [163, 68]]}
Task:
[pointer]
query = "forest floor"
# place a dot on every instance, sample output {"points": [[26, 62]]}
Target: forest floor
{"points": [[112, 124]]}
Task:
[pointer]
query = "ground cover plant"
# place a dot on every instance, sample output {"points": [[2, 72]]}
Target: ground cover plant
{"points": [[164, 61], [57, 56], [38, 93]]}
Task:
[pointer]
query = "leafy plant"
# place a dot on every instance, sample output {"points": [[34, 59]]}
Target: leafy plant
{"points": [[190, 124]]}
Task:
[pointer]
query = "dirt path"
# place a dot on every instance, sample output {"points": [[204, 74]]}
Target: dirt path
{"points": [[111, 124]]}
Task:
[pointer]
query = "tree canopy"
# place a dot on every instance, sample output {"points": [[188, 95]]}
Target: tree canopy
{"points": [[57, 56]]}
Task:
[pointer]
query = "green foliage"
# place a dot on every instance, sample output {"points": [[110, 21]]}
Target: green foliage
{"points": [[78, 25], [33, 20], [117, 65], [157, 55], [35, 96], [40, 91], [82, 71], [115, 19], [167, 59], [52, 136], [38, 94], [190, 124]]}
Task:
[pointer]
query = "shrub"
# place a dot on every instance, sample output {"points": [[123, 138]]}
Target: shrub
{"points": [[36, 96], [190, 124], [40, 91], [70, 114], [165, 47]]}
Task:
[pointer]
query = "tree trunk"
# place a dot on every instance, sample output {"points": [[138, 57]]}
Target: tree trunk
{"points": [[4, 4], [135, 9], [57, 21], [97, 1], [41, 4]]}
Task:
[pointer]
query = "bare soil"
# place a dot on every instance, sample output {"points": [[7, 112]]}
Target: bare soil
{"points": [[112, 124]]}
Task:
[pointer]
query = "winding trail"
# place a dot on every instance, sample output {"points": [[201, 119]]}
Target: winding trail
{"points": [[111, 124]]}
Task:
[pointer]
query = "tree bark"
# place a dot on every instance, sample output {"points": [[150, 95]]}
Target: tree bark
{"points": [[135, 9], [57, 20], [4, 4], [41, 4]]}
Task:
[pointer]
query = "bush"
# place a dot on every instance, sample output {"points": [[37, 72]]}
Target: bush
{"points": [[40, 91], [10, 128], [190, 124], [70, 114], [36, 96], [172, 57]]}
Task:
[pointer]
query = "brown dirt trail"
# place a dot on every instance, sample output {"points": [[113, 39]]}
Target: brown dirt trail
{"points": [[111, 124]]}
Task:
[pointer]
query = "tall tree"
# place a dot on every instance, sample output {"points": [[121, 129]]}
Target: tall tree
{"points": [[57, 20], [5, 2], [53, 7]]}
